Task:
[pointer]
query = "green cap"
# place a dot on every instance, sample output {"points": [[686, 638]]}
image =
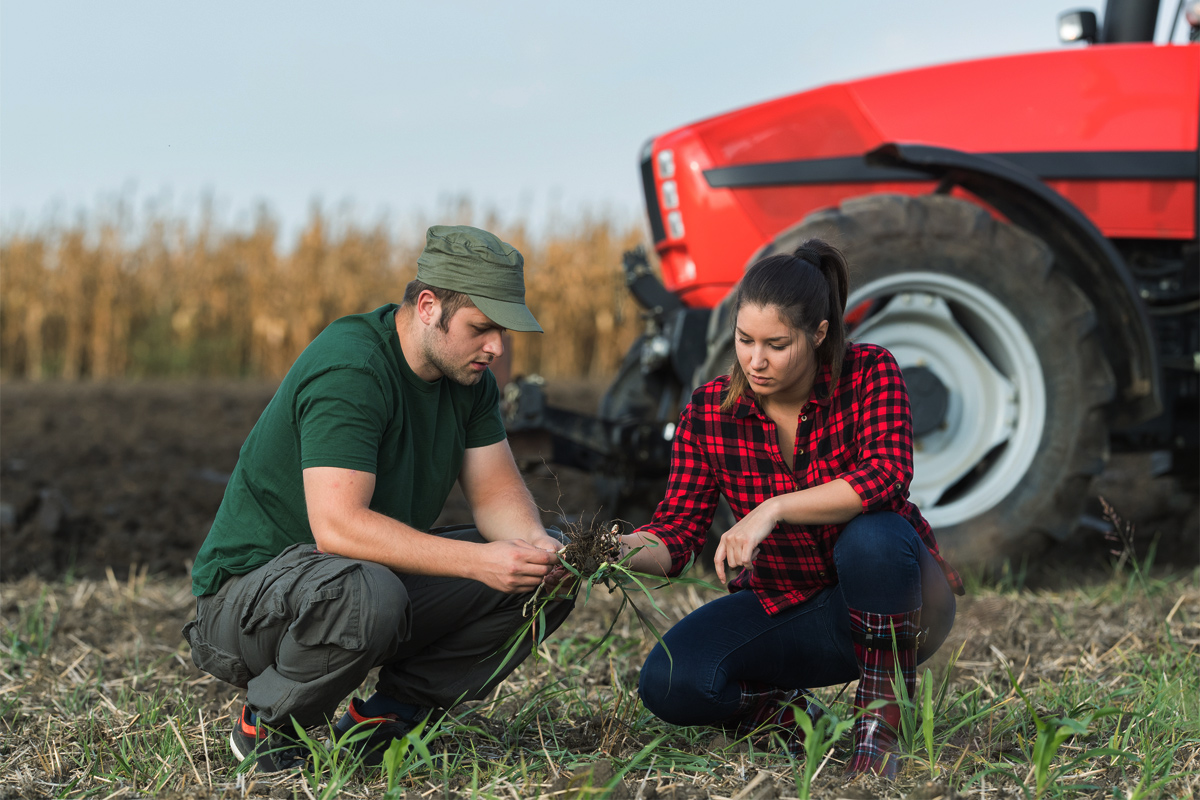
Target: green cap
{"points": [[490, 272]]}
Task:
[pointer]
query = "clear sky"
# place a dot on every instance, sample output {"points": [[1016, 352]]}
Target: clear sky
{"points": [[390, 110]]}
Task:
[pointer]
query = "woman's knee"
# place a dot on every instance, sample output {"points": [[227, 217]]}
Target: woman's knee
{"points": [[878, 558], [938, 607], [654, 680], [883, 537], [668, 691], [936, 619]]}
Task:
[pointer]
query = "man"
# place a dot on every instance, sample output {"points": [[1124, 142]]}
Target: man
{"points": [[318, 566]]}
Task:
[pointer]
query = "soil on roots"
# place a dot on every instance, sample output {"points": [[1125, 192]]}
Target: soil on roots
{"points": [[588, 549]]}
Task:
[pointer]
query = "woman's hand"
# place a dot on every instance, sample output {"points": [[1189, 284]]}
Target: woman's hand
{"points": [[739, 545]]}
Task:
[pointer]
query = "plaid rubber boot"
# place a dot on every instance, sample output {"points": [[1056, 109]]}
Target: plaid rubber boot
{"points": [[767, 710], [875, 732]]}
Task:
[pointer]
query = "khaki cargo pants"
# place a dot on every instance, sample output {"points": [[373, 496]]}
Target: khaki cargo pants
{"points": [[301, 632]]}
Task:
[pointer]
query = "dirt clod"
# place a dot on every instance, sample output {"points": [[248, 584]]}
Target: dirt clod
{"points": [[588, 780], [591, 548]]}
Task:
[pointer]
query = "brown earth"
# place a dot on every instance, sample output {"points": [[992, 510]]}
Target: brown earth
{"points": [[96, 476]]}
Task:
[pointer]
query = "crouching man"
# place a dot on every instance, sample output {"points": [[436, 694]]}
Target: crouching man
{"points": [[321, 564]]}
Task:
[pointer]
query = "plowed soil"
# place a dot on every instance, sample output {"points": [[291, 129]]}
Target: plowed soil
{"points": [[99, 476]]}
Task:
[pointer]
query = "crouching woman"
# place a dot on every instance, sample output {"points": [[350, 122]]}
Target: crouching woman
{"points": [[809, 439]]}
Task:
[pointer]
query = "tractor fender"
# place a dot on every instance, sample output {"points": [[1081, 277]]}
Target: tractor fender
{"points": [[1080, 249]]}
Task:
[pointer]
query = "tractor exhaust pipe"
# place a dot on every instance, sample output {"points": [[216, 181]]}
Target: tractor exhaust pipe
{"points": [[1129, 21]]}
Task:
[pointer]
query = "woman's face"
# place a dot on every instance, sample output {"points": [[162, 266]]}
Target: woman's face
{"points": [[775, 357]]}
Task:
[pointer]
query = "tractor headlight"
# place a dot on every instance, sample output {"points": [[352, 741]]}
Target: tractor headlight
{"points": [[1077, 26], [670, 194], [666, 164], [675, 225]]}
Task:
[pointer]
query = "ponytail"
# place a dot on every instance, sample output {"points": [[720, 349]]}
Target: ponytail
{"points": [[808, 287]]}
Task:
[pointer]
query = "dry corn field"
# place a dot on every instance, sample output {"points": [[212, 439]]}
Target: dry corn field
{"points": [[94, 300]]}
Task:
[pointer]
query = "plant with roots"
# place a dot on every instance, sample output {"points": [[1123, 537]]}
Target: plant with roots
{"points": [[592, 556]]}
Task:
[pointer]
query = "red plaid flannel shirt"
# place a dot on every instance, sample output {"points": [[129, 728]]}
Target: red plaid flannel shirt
{"points": [[862, 434]]}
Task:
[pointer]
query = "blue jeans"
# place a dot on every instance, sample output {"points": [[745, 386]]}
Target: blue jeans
{"points": [[883, 567]]}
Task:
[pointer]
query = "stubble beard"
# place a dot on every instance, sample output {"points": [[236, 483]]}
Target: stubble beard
{"points": [[434, 352]]}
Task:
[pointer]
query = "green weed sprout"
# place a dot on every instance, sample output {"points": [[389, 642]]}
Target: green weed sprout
{"points": [[404, 755], [335, 764], [1050, 735], [38, 630], [819, 739], [920, 715]]}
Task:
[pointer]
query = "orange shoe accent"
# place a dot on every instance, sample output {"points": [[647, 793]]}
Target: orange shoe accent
{"points": [[358, 717], [248, 729]]}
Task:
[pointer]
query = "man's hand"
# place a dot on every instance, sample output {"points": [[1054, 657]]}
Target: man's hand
{"points": [[739, 545], [513, 565], [558, 573]]}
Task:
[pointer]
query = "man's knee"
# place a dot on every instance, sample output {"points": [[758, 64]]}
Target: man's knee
{"points": [[360, 609], [387, 613]]}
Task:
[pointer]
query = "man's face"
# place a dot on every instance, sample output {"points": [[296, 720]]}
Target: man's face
{"points": [[464, 351]]}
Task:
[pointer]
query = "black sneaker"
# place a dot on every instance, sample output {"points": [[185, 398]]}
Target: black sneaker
{"points": [[272, 752], [370, 735]]}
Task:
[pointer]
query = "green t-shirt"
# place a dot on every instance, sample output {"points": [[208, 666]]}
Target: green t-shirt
{"points": [[349, 401]]}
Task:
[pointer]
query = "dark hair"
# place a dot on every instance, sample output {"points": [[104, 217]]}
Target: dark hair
{"points": [[808, 287], [451, 300]]}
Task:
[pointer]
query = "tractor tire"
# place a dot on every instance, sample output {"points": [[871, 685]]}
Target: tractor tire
{"points": [[1006, 374]]}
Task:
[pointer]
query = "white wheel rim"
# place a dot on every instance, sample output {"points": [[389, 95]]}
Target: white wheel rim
{"points": [[997, 397]]}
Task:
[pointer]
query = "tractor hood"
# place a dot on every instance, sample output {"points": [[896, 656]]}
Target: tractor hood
{"points": [[1129, 98]]}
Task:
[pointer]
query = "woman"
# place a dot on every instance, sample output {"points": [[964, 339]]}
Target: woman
{"points": [[810, 440]]}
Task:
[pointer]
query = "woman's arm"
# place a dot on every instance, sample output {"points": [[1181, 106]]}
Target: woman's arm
{"points": [[653, 558], [682, 519], [830, 503], [878, 478], [883, 468]]}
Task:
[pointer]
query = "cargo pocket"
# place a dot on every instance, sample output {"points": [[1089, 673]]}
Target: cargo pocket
{"points": [[267, 603], [215, 661], [263, 614], [332, 612]]}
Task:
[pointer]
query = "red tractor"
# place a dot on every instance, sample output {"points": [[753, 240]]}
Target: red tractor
{"points": [[1022, 233]]}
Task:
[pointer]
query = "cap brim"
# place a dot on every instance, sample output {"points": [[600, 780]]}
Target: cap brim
{"points": [[514, 316]]}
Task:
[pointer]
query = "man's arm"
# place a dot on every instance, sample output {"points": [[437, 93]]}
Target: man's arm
{"points": [[500, 502], [342, 523]]}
